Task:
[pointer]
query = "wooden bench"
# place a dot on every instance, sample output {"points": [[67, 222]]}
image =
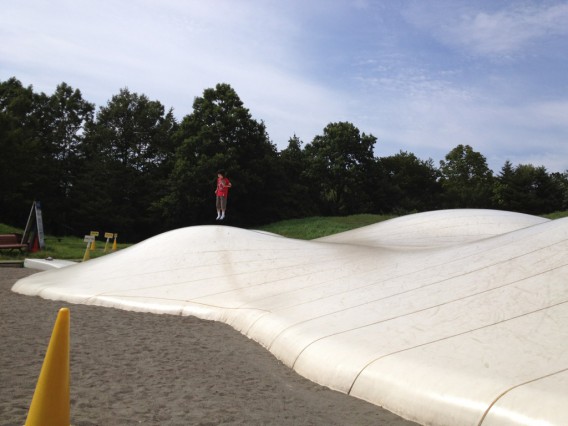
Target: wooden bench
{"points": [[11, 242]]}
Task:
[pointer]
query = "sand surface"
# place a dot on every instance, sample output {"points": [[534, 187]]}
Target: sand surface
{"points": [[132, 368]]}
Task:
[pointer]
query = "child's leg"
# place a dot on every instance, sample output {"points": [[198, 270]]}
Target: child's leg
{"points": [[223, 207]]}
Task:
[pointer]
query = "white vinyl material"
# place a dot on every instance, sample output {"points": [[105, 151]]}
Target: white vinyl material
{"points": [[454, 317], [46, 264]]}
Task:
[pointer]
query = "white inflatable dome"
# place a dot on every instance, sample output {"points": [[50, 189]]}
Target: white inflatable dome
{"points": [[455, 317]]}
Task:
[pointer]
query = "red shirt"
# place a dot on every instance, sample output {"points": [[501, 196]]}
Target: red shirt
{"points": [[222, 187]]}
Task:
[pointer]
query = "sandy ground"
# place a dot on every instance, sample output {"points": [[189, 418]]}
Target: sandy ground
{"points": [[131, 368]]}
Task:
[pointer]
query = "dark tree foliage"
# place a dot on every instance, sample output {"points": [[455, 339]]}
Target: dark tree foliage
{"points": [[126, 157], [63, 118], [529, 189], [560, 193], [39, 137], [19, 150], [466, 179], [410, 184], [503, 191], [339, 166], [299, 196]]}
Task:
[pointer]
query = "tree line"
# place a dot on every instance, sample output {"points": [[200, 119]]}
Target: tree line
{"points": [[132, 168]]}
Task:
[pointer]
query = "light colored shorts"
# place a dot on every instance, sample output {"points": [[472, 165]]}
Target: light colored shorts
{"points": [[221, 203]]}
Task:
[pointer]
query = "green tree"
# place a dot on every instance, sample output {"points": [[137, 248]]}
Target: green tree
{"points": [[20, 149], [127, 155], [560, 183], [466, 179], [63, 118], [504, 191], [529, 189], [298, 195], [340, 165], [220, 133], [411, 184]]}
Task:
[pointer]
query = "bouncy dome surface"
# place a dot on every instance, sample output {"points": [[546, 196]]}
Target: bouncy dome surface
{"points": [[447, 317]]}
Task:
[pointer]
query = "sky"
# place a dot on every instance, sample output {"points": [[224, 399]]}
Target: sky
{"points": [[422, 76]]}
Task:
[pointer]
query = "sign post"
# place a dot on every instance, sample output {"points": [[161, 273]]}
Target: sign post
{"points": [[89, 239], [34, 229], [94, 234], [39, 223], [108, 236]]}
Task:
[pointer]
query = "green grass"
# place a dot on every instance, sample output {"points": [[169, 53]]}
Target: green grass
{"points": [[7, 229], [316, 227], [556, 215]]}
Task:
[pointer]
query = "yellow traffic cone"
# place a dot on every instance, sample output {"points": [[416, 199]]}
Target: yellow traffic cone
{"points": [[50, 403], [93, 245], [114, 245]]}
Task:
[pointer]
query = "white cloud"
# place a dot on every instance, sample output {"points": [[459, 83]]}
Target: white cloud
{"points": [[507, 31], [551, 114]]}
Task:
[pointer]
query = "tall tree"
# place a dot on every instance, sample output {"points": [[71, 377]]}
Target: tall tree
{"points": [[220, 133], [529, 189], [412, 184], [504, 191], [298, 194], [340, 163], [63, 118], [20, 150], [130, 146], [466, 179], [560, 183]]}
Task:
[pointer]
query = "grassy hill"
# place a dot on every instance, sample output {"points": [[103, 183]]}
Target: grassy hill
{"points": [[316, 227]]}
